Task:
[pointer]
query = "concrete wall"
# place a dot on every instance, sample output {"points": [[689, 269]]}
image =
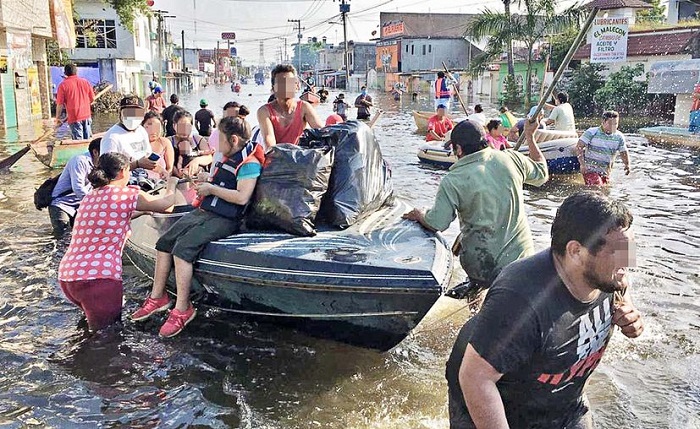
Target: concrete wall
{"points": [[454, 52], [681, 116], [363, 57], [31, 15]]}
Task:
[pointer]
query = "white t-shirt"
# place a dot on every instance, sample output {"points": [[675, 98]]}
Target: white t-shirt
{"points": [[477, 118], [134, 144], [563, 116]]}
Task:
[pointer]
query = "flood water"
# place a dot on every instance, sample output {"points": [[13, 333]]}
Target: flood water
{"points": [[229, 372]]}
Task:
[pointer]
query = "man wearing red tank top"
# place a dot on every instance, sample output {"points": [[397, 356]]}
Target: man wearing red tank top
{"points": [[285, 118]]}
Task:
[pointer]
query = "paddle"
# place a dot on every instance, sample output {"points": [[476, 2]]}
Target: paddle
{"points": [[12, 159], [376, 117], [560, 71]]}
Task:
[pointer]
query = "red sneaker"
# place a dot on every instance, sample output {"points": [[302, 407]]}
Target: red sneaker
{"points": [[177, 321], [151, 307]]}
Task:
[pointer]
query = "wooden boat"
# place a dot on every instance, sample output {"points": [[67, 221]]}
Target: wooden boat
{"points": [[560, 155], [671, 135], [310, 97], [55, 154], [367, 285], [421, 120]]}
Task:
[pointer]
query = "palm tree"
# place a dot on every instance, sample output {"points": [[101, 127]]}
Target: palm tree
{"points": [[539, 20]]}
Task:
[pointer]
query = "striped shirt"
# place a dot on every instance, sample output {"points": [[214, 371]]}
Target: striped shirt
{"points": [[601, 149]]}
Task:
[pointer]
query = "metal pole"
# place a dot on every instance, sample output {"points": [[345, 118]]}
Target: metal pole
{"points": [[216, 62], [160, 47], [182, 66], [560, 70], [344, 9]]}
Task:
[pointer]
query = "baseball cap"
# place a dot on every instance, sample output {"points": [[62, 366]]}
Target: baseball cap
{"points": [[532, 111], [131, 101], [157, 89], [467, 133], [203, 102]]}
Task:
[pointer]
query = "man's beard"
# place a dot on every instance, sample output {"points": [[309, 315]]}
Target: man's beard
{"points": [[607, 286]]}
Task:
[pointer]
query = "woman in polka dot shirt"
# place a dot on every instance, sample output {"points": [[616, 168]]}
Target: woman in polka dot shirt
{"points": [[90, 273]]}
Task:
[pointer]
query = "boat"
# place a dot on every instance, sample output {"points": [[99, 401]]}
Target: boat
{"points": [[368, 285], [421, 120], [310, 97], [55, 154], [671, 135], [560, 155]]}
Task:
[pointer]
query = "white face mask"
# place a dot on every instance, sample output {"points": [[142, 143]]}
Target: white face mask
{"points": [[131, 123]]}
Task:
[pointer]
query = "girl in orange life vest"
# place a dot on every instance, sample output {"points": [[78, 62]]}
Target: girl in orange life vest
{"points": [[219, 215], [90, 273]]}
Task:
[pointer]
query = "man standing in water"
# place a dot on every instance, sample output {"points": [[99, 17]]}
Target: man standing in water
{"points": [[204, 119], [485, 188], [75, 94], [169, 113], [283, 119], [442, 91], [597, 149], [363, 102], [524, 359]]}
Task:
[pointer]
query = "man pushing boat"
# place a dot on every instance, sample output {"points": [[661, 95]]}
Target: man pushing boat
{"points": [[485, 188]]}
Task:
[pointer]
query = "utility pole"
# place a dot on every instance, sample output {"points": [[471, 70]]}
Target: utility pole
{"points": [[344, 9], [286, 57], [216, 62], [298, 23], [182, 66]]}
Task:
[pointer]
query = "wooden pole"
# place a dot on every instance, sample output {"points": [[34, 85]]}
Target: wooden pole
{"points": [[459, 97], [560, 70]]}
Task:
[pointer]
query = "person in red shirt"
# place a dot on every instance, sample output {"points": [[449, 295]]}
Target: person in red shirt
{"points": [[438, 125], [75, 96], [284, 119]]}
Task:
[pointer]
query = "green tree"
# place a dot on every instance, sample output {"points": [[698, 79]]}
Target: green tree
{"points": [[623, 91], [585, 82], [657, 13], [559, 45], [539, 20], [128, 10]]}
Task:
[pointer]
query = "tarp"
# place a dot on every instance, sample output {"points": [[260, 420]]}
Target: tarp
{"points": [[92, 74]]}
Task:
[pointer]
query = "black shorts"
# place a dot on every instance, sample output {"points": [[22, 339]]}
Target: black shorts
{"points": [[189, 236]]}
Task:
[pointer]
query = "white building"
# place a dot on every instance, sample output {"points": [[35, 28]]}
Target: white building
{"points": [[123, 58]]}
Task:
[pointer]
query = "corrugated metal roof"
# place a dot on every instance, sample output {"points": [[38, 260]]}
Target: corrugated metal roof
{"points": [[617, 4]]}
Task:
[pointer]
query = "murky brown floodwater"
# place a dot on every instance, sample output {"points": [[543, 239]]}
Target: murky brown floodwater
{"points": [[227, 372]]}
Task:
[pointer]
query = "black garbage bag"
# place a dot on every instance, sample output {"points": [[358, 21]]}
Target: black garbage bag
{"points": [[361, 180], [289, 190]]}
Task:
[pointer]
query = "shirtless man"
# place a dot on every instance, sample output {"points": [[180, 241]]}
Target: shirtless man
{"points": [[284, 119]]}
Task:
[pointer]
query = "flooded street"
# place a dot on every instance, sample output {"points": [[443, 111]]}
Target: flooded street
{"points": [[224, 371]]}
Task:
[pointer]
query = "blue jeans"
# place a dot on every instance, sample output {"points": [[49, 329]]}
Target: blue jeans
{"points": [[694, 126], [81, 130]]}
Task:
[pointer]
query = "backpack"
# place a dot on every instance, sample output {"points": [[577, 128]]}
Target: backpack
{"points": [[42, 196]]}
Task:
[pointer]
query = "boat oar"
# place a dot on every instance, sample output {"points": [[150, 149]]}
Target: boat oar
{"points": [[12, 159], [560, 71], [459, 97], [102, 92], [375, 119]]}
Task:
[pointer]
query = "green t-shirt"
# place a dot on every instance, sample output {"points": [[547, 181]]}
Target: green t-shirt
{"points": [[485, 190]]}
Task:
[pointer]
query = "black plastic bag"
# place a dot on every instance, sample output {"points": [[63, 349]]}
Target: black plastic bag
{"points": [[289, 190], [361, 180]]}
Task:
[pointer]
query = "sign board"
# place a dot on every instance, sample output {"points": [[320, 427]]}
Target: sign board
{"points": [[392, 28], [228, 36], [609, 43], [233, 52]]}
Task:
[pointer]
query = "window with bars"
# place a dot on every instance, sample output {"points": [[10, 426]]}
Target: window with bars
{"points": [[96, 33]]}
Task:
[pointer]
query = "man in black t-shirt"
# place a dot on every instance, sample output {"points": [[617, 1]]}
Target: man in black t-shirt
{"points": [[169, 113], [524, 359], [204, 119]]}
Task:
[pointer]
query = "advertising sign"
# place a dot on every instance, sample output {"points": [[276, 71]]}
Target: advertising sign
{"points": [[228, 35], [392, 28], [609, 43], [62, 23]]}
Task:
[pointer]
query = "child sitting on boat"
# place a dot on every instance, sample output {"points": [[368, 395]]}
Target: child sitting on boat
{"points": [[495, 137], [191, 152], [222, 201], [90, 273]]}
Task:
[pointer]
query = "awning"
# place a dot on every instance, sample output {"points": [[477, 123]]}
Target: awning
{"points": [[674, 77]]}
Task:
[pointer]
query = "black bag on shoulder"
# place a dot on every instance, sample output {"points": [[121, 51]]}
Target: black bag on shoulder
{"points": [[42, 196]]}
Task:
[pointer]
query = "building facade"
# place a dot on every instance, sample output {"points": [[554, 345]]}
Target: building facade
{"points": [[25, 26], [417, 44]]}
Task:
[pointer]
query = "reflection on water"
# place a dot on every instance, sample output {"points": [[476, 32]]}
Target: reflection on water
{"points": [[230, 372]]}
